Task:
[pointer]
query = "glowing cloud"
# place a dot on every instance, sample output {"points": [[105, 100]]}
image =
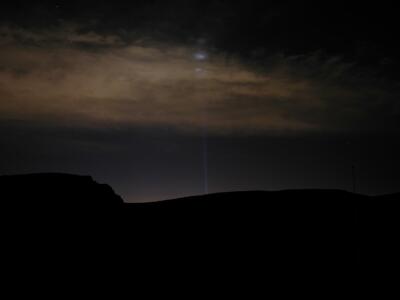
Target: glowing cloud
{"points": [[147, 85]]}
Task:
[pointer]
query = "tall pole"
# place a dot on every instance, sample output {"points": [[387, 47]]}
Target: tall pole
{"points": [[353, 166]]}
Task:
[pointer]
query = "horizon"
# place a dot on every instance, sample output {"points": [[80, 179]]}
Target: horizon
{"points": [[201, 195], [66, 179]]}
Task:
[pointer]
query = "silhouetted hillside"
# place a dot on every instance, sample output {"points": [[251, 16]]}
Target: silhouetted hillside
{"points": [[51, 190], [314, 227], [240, 233]]}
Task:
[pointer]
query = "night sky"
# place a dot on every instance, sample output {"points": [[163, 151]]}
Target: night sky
{"points": [[163, 99]]}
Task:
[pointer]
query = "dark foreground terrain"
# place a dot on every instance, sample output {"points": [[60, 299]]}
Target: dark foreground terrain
{"points": [[67, 219]]}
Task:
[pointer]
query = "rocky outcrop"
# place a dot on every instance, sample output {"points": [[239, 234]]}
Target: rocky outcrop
{"points": [[55, 190]]}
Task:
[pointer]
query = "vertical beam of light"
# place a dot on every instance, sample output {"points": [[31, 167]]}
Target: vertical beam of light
{"points": [[205, 157], [201, 56]]}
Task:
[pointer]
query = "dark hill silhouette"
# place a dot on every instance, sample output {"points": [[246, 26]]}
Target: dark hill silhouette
{"points": [[326, 226], [55, 189], [234, 235]]}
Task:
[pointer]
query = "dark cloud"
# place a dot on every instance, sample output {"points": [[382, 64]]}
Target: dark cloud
{"points": [[239, 26]]}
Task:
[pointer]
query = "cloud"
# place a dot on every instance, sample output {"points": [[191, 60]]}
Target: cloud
{"points": [[66, 33], [53, 76]]}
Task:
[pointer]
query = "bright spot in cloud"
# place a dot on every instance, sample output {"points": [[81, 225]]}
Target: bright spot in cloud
{"points": [[200, 55]]}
